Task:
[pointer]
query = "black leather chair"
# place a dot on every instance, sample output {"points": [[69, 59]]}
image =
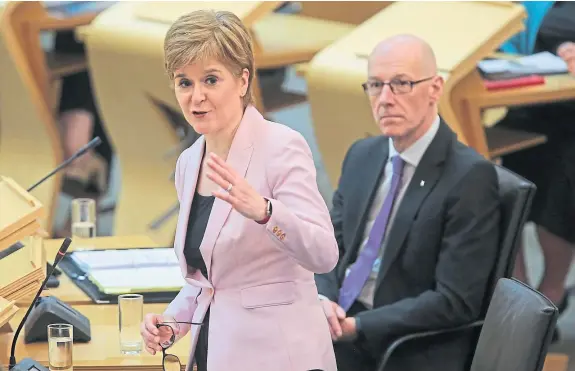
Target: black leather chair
{"points": [[516, 197], [517, 330]]}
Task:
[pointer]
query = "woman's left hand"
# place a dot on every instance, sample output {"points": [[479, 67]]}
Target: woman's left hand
{"points": [[237, 191]]}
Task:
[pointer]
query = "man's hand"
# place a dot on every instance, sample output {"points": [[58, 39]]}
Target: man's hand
{"points": [[334, 314], [348, 329], [342, 328], [567, 52]]}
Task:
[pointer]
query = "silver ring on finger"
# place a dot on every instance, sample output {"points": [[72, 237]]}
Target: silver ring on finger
{"points": [[229, 189]]}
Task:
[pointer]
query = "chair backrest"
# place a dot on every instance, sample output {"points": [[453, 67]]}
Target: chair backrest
{"points": [[516, 194], [517, 331]]}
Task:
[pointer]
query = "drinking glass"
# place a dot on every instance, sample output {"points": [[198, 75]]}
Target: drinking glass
{"points": [[60, 346], [131, 313], [83, 218]]}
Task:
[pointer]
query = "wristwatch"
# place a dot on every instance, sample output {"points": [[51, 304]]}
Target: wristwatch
{"points": [[268, 212]]}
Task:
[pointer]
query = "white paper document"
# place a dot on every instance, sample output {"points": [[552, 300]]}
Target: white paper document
{"points": [[115, 281], [540, 63], [129, 258], [131, 270]]}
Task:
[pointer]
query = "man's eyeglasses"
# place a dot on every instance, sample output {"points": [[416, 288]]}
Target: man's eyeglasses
{"points": [[171, 362], [397, 86]]}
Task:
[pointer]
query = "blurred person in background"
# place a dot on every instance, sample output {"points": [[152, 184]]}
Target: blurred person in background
{"points": [[550, 26]]}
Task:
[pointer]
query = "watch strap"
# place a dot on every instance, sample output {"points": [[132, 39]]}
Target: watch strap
{"points": [[268, 213]]}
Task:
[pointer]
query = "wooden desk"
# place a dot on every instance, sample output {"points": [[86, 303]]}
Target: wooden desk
{"points": [[556, 362], [471, 99], [68, 292], [556, 88], [102, 353]]}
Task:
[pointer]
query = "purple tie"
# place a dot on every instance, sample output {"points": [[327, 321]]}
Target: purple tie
{"points": [[359, 272]]}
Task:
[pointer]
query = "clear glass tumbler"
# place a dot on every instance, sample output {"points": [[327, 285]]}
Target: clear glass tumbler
{"points": [[131, 314], [83, 218], [60, 347]]}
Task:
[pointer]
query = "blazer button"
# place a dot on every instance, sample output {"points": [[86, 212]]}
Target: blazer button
{"points": [[283, 235], [275, 229]]}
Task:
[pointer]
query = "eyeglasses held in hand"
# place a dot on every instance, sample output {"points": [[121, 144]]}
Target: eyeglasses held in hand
{"points": [[171, 362]]}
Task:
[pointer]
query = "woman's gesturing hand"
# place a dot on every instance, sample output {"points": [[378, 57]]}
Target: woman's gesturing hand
{"points": [[237, 191]]}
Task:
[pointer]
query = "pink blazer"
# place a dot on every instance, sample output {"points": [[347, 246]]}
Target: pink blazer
{"points": [[265, 313]]}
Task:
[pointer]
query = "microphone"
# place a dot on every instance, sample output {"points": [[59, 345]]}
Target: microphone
{"points": [[59, 256], [93, 143]]}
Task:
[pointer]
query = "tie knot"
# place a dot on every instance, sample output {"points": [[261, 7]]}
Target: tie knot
{"points": [[397, 163]]}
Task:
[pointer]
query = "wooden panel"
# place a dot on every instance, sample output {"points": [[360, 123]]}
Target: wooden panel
{"points": [[168, 11], [285, 39], [556, 362], [64, 64], [30, 145], [503, 141], [352, 12], [18, 209], [480, 20], [556, 87]]}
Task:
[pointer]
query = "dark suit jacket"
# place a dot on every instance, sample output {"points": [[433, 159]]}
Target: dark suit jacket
{"points": [[440, 252]]}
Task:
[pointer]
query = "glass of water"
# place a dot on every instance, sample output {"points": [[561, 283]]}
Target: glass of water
{"points": [[131, 313], [60, 345], [83, 218]]}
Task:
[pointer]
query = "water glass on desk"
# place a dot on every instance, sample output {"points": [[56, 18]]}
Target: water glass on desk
{"points": [[131, 314], [83, 218], [60, 347]]}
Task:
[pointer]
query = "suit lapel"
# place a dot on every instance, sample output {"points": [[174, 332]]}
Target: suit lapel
{"points": [[370, 175], [428, 171], [238, 158]]}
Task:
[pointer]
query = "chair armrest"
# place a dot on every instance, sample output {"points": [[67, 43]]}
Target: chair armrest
{"points": [[419, 335]]}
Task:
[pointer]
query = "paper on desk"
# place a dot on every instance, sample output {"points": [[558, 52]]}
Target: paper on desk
{"points": [[125, 258], [539, 63], [148, 279]]}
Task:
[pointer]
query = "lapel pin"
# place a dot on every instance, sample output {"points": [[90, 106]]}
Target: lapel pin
{"points": [[422, 183]]}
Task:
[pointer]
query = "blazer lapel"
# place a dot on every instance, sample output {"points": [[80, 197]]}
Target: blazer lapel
{"points": [[238, 158], [370, 175], [187, 193], [429, 171]]}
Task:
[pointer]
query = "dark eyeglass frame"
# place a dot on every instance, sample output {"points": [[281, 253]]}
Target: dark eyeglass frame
{"points": [[172, 340], [393, 85]]}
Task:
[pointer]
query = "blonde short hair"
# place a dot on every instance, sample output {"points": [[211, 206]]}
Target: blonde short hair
{"points": [[205, 34]]}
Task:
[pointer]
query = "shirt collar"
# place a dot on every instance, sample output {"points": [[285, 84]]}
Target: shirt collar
{"points": [[413, 154]]}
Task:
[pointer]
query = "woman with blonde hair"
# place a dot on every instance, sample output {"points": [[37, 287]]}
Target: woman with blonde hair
{"points": [[253, 228]]}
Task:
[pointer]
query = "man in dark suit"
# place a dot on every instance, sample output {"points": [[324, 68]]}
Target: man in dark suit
{"points": [[416, 217]]}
